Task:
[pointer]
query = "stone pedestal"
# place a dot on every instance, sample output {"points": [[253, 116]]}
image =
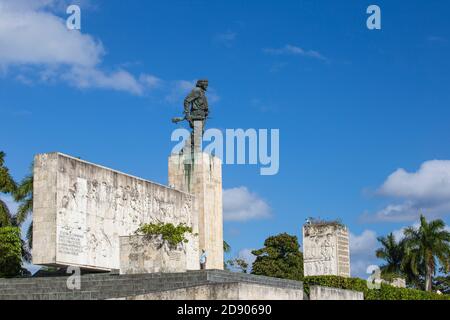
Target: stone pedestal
{"points": [[326, 250], [142, 254], [200, 174]]}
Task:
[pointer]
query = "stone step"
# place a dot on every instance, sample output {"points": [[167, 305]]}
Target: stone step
{"points": [[106, 286], [61, 282]]}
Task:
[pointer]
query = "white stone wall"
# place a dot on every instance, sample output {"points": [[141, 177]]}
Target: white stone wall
{"points": [[326, 293], [225, 291], [326, 250], [141, 254], [81, 209]]}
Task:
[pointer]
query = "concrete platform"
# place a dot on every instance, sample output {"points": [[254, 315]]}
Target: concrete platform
{"points": [[192, 285]]}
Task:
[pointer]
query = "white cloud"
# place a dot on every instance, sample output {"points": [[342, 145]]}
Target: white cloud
{"points": [[362, 252], [93, 78], [239, 204], [150, 81], [36, 43], [39, 37], [296, 51], [399, 233], [366, 242], [247, 256], [431, 181], [226, 39], [425, 191]]}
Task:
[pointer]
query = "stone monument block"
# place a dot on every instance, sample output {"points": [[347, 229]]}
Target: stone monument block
{"points": [[326, 249], [200, 174], [81, 210], [142, 254]]}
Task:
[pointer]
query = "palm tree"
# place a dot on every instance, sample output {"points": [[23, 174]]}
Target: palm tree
{"points": [[226, 247], [392, 252], [24, 196], [427, 246], [7, 186]]}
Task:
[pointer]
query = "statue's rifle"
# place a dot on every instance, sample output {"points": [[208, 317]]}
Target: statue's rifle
{"points": [[179, 119]]}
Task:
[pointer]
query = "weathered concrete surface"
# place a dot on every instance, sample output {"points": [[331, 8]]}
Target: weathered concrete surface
{"points": [[202, 177], [326, 293], [103, 286], [140, 254], [81, 209], [224, 291], [326, 250]]}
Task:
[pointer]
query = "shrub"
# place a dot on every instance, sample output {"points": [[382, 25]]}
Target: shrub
{"points": [[174, 235], [10, 252], [386, 292]]}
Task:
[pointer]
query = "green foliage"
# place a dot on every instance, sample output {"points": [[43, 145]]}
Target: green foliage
{"points": [[226, 247], [10, 252], [417, 256], [425, 247], [24, 196], [442, 284], [173, 235], [322, 222], [386, 292], [392, 252], [280, 258], [238, 264], [7, 185], [7, 219]]}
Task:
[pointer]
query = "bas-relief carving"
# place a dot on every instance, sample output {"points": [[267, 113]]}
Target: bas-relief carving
{"points": [[141, 254], [94, 213], [320, 254]]}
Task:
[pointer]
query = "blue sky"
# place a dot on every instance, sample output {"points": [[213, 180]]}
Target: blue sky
{"points": [[353, 106]]}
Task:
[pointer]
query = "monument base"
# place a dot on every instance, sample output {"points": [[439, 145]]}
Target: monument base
{"points": [[192, 285], [141, 254]]}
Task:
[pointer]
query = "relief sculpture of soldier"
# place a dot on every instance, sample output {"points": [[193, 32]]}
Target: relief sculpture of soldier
{"points": [[196, 106]]}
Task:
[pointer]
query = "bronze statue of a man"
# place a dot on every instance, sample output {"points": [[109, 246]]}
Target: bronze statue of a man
{"points": [[196, 105]]}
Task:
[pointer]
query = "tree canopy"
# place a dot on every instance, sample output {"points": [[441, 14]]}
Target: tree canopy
{"points": [[280, 258]]}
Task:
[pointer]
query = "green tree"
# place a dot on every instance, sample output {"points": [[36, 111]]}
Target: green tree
{"points": [[7, 186], [427, 246], [10, 252], [238, 264], [393, 253], [24, 196], [226, 247], [280, 258], [442, 284], [7, 219]]}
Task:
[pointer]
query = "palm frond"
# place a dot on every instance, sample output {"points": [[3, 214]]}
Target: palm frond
{"points": [[5, 215], [30, 235]]}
